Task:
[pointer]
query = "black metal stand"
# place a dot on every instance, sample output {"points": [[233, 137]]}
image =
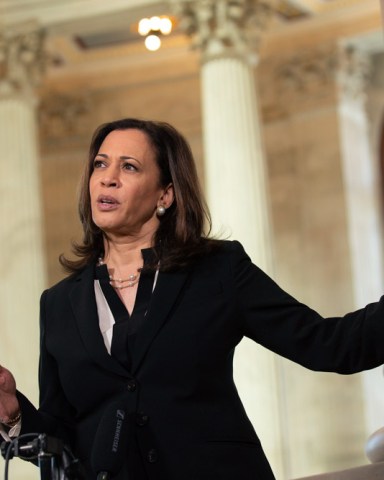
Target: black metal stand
{"points": [[54, 460], [48, 468]]}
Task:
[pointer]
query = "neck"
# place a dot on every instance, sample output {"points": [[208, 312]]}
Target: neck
{"points": [[125, 251], [124, 262]]}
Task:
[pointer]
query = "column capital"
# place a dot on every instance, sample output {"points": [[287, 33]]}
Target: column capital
{"points": [[353, 73], [22, 58], [224, 28], [64, 115], [311, 77]]}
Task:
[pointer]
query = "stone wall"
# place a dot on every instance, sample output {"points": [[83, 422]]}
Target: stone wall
{"points": [[322, 415]]}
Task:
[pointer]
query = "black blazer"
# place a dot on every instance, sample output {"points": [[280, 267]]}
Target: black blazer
{"points": [[186, 420]]}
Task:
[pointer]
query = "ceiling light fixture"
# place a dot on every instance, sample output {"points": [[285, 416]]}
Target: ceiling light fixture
{"points": [[152, 29]]}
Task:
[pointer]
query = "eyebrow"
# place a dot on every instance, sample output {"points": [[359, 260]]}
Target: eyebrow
{"points": [[122, 157]]}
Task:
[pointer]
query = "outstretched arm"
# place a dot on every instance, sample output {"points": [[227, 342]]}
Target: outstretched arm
{"points": [[9, 404]]}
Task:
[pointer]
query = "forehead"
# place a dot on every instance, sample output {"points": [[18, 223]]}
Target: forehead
{"points": [[127, 141]]}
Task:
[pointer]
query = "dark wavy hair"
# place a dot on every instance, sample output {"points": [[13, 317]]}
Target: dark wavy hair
{"points": [[183, 234]]}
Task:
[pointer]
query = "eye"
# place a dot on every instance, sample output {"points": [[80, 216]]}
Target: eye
{"points": [[98, 164], [129, 166]]}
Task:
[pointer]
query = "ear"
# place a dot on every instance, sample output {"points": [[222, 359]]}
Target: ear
{"points": [[167, 197]]}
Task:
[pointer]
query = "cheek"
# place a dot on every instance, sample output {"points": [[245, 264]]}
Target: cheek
{"points": [[142, 194], [92, 186]]}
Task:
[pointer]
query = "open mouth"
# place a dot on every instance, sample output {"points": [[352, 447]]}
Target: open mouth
{"points": [[105, 201]]}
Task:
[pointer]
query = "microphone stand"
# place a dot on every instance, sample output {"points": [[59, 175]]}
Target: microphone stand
{"points": [[48, 468], [54, 460], [49, 449]]}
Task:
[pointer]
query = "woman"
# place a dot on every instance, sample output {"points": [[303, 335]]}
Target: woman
{"points": [[137, 343]]}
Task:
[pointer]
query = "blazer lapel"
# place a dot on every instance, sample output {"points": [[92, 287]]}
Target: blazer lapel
{"points": [[83, 302], [168, 288]]}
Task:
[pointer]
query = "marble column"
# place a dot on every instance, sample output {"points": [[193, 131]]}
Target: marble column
{"points": [[21, 255], [362, 196], [317, 99], [227, 34]]}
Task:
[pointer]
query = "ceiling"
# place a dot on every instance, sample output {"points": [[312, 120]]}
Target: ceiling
{"points": [[80, 30], [62, 15], [59, 14]]}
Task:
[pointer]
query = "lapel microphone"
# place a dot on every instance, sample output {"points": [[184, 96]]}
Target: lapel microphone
{"points": [[109, 450]]}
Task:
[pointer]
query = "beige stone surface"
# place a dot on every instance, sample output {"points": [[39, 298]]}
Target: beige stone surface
{"points": [[324, 419]]}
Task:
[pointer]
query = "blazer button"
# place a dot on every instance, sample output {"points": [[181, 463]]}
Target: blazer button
{"points": [[132, 385], [142, 419], [152, 456], [103, 475]]}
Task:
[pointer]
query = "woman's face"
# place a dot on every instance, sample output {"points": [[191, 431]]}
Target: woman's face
{"points": [[125, 185]]}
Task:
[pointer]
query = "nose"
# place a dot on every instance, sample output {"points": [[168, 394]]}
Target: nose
{"points": [[110, 178], [109, 182]]}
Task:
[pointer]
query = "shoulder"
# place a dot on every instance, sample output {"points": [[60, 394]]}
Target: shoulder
{"points": [[229, 248], [224, 254], [231, 258]]}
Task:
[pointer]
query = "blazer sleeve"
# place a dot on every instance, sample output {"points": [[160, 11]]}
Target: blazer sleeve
{"points": [[54, 415], [274, 319]]}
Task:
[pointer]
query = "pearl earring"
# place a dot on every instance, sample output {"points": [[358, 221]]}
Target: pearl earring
{"points": [[160, 211]]}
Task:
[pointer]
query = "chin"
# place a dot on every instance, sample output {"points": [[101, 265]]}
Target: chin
{"points": [[104, 226]]}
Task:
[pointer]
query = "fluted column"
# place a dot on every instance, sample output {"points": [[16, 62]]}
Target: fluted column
{"points": [[21, 254], [236, 185], [362, 195], [227, 34]]}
